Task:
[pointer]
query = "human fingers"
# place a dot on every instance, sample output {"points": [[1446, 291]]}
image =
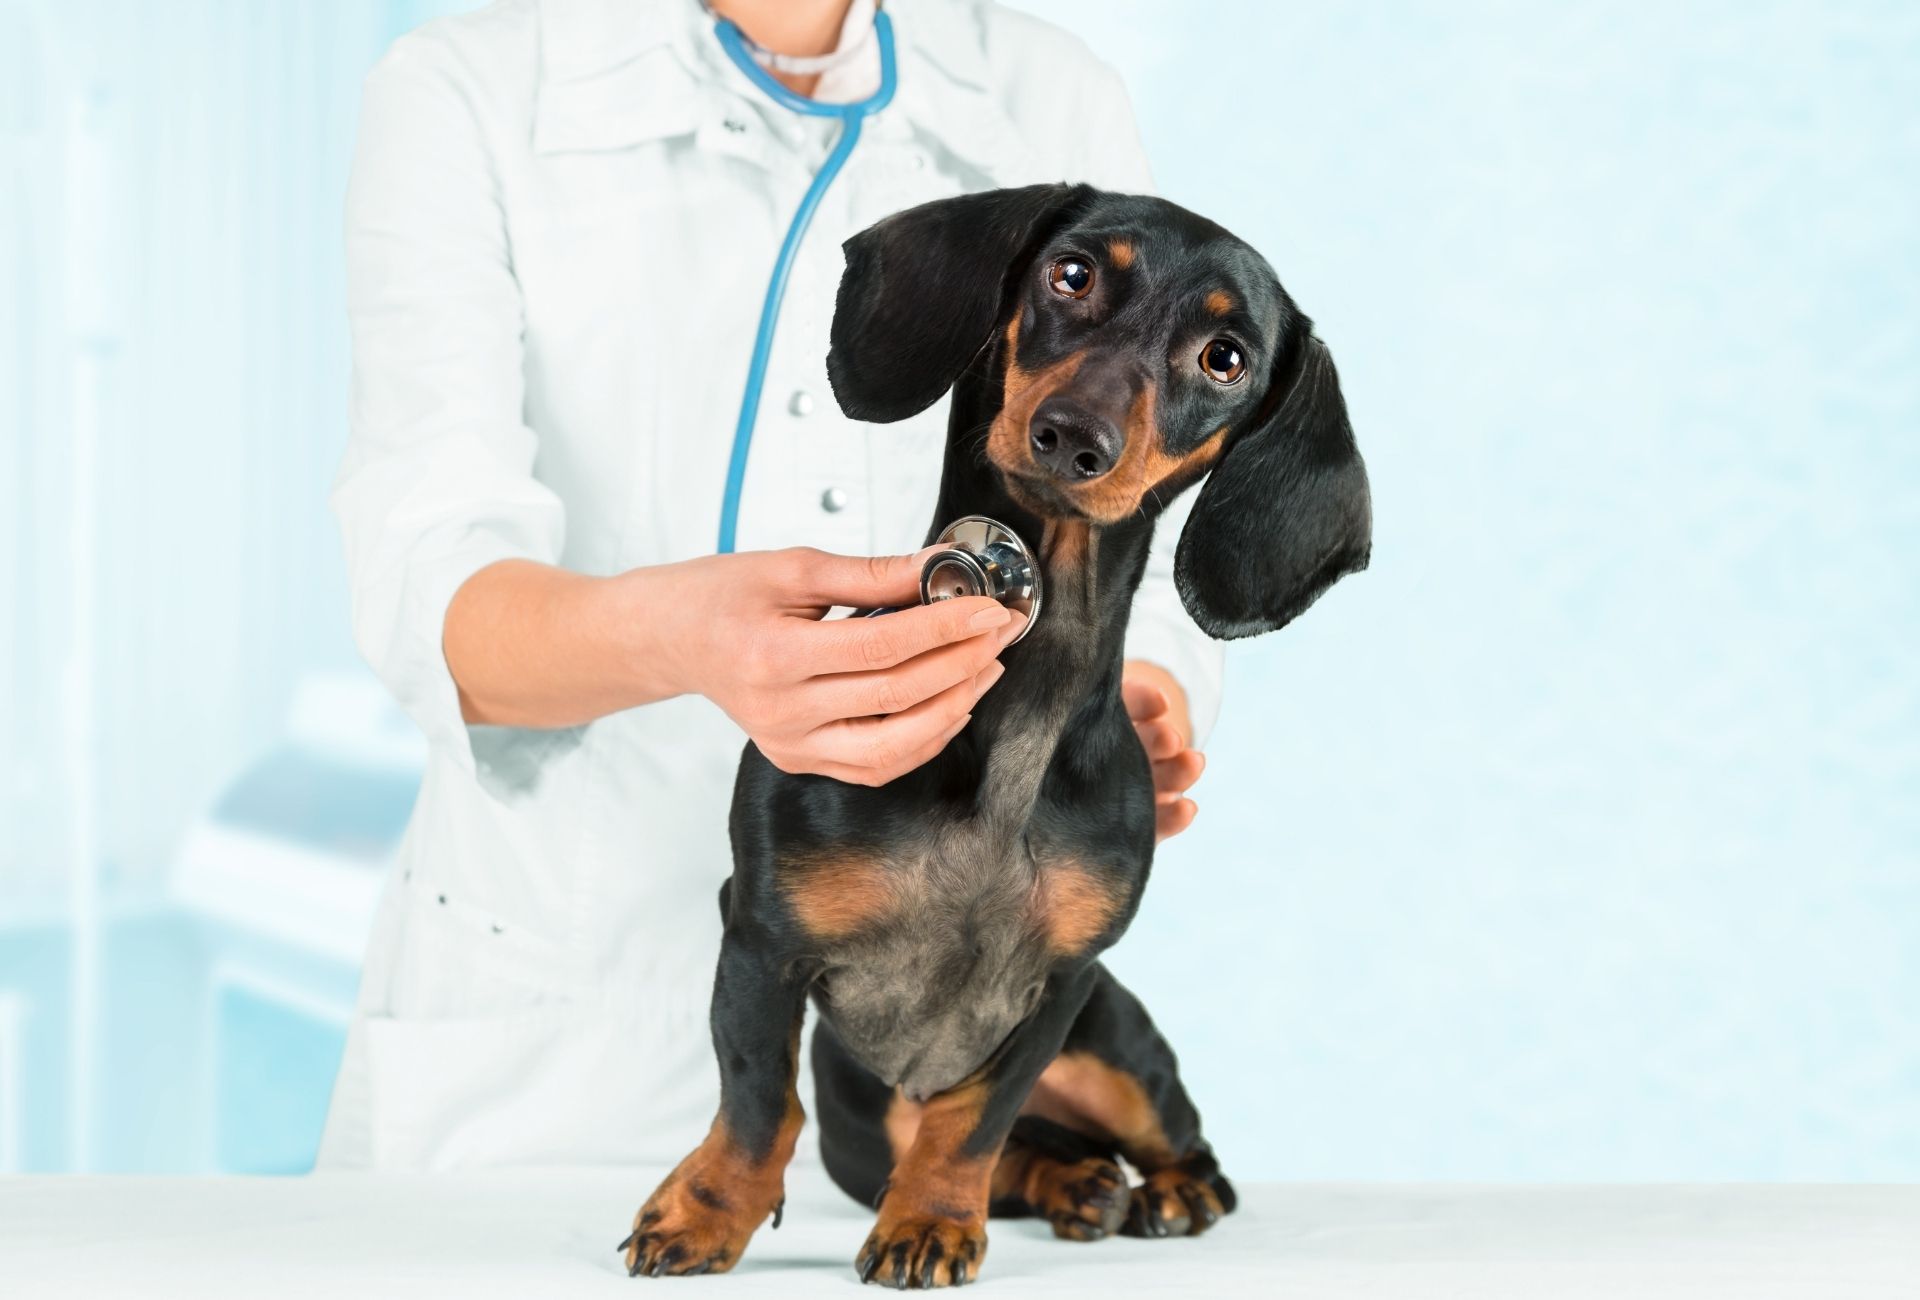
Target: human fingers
{"points": [[892, 690], [822, 578], [864, 644], [1171, 819], [1144, 700], [1161, 739], [885, 747], [866, 776], [1174, 776]]}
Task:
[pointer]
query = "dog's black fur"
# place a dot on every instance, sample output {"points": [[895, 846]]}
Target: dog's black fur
{"points": [[972, 1053]]}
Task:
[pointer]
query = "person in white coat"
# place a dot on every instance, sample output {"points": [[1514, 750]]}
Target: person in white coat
{"points": [[561, 219]]}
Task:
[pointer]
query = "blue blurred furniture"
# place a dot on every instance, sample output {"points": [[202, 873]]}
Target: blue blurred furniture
{"points": [[222, 1003], [281, 876]]}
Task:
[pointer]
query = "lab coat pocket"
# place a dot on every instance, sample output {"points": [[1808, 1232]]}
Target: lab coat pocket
{"points": [[456, 958], [565, 1084]]}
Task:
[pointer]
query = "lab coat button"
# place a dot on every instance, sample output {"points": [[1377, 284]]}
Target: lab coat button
{"points": [[833, 500], [801, 403]]}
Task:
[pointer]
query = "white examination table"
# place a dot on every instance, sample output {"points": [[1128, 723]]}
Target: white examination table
{"points": [[552, 1233]]}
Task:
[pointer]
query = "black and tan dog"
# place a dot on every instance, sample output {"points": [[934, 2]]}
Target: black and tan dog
{"points": [[973, 1056]]}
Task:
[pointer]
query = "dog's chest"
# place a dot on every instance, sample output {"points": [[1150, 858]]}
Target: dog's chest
{"points": [[949, 950], [937, 944]]}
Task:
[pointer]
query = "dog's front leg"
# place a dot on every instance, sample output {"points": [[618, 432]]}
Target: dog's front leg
{"points": [[700, 1219], [932, 1229]]}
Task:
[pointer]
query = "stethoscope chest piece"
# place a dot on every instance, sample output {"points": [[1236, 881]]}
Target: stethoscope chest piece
{"points": [[979, 556]]}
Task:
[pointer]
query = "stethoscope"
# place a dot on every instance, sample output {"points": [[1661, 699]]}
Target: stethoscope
{"points": [[977, 556], [742, 52]]}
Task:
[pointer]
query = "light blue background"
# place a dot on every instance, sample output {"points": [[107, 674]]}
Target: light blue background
{"points": [[1579, 838]]}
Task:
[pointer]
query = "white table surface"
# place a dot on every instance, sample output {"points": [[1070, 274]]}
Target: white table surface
{"points": [[552, 1234]]}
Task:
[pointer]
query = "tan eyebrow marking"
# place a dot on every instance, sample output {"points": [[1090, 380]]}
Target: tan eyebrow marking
{"points": [[1120, 253], [1219, 302]]}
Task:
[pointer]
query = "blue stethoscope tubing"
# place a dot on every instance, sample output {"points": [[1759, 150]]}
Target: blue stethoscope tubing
{"points": [[850, 115]]}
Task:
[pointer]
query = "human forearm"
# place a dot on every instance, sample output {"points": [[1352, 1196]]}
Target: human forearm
{"points": [[531, 645], [860, 700]]}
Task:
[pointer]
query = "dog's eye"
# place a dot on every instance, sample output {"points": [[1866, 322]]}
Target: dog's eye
{"points": [[1222, 362], [1070, 278]]}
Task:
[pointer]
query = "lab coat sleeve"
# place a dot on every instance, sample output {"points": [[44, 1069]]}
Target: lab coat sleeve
{"points": [[437, 481], [1161, 631]]}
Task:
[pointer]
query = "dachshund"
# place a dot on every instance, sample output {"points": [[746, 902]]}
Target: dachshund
{"points": [[972, 1056]]}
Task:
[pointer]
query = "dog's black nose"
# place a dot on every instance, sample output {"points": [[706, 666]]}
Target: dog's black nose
{"points": [[1073, 443]]}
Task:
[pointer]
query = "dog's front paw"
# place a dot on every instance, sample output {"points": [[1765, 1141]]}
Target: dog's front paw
{"points": [[689, 1227], [923, 1250], [1178, 1203]]}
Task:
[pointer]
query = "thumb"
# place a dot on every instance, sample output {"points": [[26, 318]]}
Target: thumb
{"points": [[865, 580]]}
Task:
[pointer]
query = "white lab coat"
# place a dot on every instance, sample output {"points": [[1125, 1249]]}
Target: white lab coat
{"points": [[560, 223]]}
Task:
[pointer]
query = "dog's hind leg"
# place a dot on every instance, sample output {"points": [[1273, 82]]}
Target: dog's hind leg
{"points": [[1116, 1079], [851, 1106], [1070, 1179]]}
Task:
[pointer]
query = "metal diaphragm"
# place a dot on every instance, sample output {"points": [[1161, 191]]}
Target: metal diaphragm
{"points": [[979, 556]]}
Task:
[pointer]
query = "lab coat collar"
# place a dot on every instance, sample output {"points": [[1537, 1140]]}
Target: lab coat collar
{"points": [[581, 38], [617, 73]]}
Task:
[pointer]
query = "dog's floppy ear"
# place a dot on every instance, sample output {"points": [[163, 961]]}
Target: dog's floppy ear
{"points": [[923, 290], [1285, 513]]}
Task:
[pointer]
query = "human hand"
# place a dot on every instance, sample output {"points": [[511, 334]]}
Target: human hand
{"points": [[1158, 708], [862, 700]]}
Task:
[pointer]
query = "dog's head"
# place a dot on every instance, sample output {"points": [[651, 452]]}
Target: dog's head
{"points": [[1144, 346]]}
